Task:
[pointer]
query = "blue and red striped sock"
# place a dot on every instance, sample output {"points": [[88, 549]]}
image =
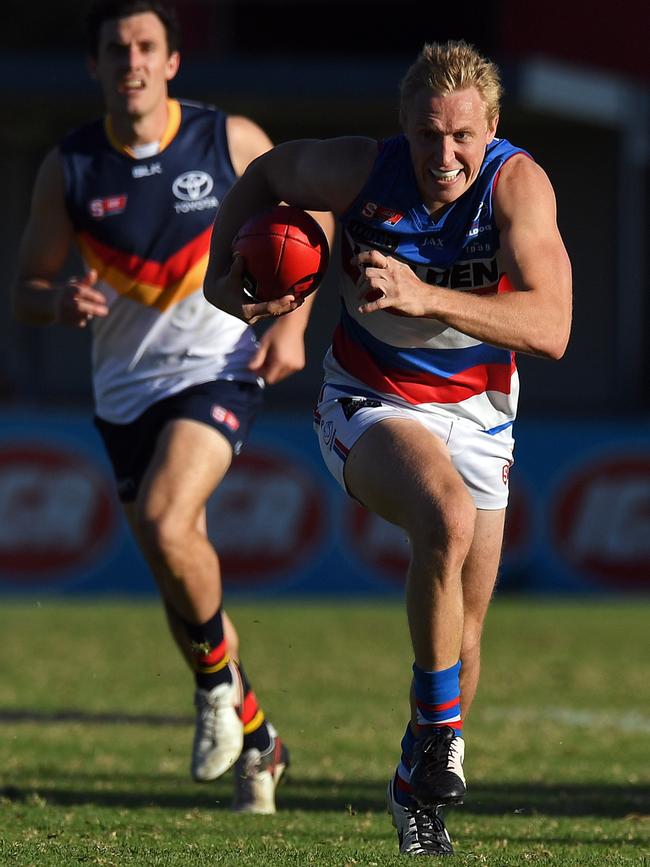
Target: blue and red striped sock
{"points": [[402, 787], [437, 696]]}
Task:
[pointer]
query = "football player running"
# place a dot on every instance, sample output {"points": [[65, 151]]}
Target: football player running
{"points": [[451, 262], [173, 377]]}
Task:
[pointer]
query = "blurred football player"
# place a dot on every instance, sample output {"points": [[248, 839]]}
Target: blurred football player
{"points": [[176, 382]]}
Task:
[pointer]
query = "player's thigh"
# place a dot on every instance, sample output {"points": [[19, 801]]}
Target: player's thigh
{"points": [[189, 462], [480, 569], [404, 473]]}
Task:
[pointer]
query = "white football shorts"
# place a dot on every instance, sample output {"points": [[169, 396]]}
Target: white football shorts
{"points": [[483, 460]]}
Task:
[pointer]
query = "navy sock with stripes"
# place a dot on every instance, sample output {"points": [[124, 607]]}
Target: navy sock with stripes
{"points": [[210, 652]]}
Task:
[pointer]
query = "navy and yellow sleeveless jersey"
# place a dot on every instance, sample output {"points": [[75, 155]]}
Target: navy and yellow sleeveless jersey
{"points": [[145, 224], [419, 361]]}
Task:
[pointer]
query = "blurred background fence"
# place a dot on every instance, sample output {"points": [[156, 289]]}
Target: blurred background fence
{"points": [[576, 97]]}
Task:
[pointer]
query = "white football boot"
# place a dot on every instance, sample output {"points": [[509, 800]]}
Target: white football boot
{"points": [[219, 734], [420, 830], [257, 776]]}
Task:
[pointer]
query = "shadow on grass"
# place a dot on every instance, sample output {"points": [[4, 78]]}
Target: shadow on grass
{"points": [[27, 715], [359, 796], [487, 799]]}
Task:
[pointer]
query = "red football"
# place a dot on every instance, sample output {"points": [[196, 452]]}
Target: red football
{"points": [[285, 253]]}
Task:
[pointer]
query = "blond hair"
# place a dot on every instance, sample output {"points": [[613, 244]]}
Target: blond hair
{"points": [[446, 67]]}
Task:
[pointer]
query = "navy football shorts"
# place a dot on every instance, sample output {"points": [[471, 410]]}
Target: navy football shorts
{"points": [[229, 407]]}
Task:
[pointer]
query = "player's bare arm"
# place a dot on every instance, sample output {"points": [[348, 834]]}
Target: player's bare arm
{"points": [[319, 176], [246, 142], [37, 297], [536, 318], [281, 348]]}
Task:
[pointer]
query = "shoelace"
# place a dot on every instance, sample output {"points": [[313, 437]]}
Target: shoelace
{"points": [[430, 827], [208, 716], [435, 753]]}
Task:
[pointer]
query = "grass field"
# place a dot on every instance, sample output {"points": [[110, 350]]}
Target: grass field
{"points": [[96, 727]]}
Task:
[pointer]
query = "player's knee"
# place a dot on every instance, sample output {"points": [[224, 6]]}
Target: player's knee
{"points": [[159, 533], [446, 530]]}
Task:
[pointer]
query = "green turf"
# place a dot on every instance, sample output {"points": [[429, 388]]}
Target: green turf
{"points": [[95, 732]]}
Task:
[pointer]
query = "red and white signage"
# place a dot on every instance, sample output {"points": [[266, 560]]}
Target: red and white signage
{"points": [[601, 520], [379, 545], [56, 512], [266, 517]]}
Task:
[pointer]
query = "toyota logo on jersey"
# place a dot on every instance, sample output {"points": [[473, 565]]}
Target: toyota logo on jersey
{"points": [[191, 186], [193, 189]]}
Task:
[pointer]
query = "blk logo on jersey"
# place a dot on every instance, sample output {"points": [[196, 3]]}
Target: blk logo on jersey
{"points": [[146, 171], [107, 207]]}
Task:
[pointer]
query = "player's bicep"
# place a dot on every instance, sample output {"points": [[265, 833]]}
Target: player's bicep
{"points": [[320, 175], [531, 248], [48, 234]]}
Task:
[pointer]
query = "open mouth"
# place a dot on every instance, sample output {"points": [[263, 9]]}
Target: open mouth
{"points": [[445, 177], [131, 85]]}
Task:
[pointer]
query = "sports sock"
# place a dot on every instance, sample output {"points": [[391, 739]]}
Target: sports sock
{"points": [[256, 730], [210, 652], [437, 696], [402, 787]]}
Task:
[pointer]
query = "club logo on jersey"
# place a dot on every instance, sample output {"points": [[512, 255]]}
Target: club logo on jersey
{"points": [[480, 224], [146, 171], [107, 207], [327, 432], [193, 189], [382, 213]]}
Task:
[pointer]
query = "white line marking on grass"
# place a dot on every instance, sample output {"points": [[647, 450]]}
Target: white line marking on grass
{"points": [[632, 721]]}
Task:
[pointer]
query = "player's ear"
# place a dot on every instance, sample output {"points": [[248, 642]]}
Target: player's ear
{"points": [[171, 67], [492, 128], [91, 66]]}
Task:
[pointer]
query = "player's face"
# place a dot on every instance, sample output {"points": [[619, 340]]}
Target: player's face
{"points": [[448, 136], [133, 64]]}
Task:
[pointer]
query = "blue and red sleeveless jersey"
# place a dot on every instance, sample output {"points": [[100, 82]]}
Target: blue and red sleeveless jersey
{"points": [[418, 361]]}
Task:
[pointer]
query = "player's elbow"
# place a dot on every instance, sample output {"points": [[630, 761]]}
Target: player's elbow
{"points": [[556, 351], [552, 327], [553, 342]]}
